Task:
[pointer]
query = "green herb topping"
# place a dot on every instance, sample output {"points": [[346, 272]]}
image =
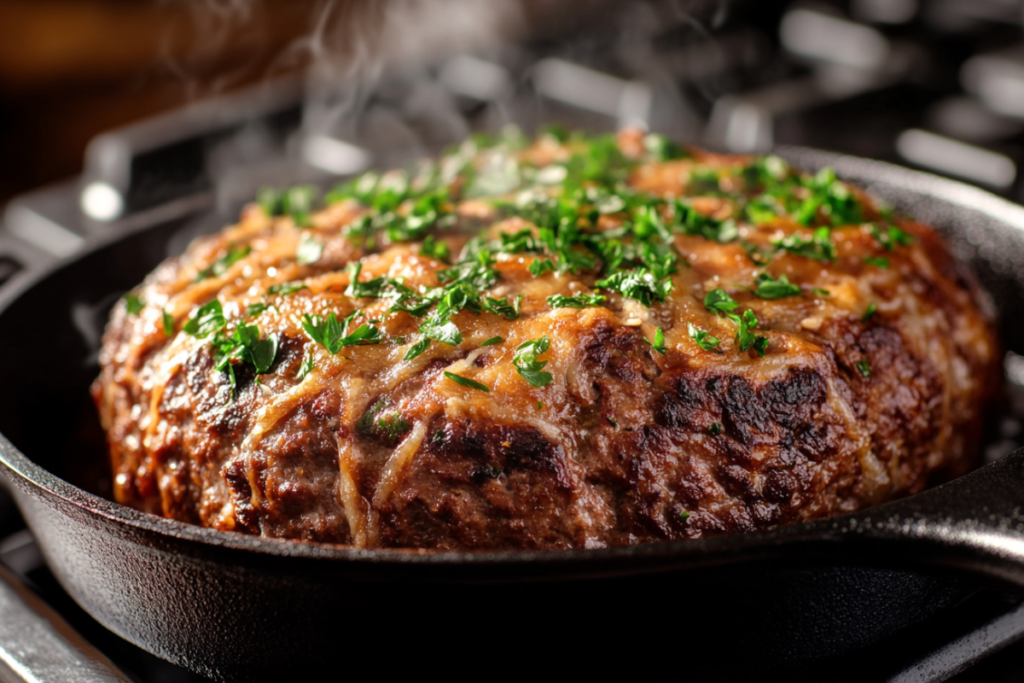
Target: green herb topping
{"points": [[133, 304], [234, 254], [659, 341], [767, 287], [703, 338], [526, 363], [465, 381]]}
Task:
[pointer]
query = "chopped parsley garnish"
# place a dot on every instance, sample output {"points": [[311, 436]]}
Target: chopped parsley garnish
{"points": [[501, 307], [660, 148], [245, 346], [528, 366], [133, 304], [309, 250], [819, 246], [863, 367], [466, 382], [820, 292], [748, 339], [703, 338], [205, 321], [870, 312], [393, 425], [718, 301], [715, 429], [767, 287], [539, 406], [578, 301], [492, 341], [297, 202], [683, 516], [540, 266], [417, 349], [878, 261], [168, 323], [234, 254], [434, 248], [286, 288], [891, 237], [253, 310], [640, 284], [306, 366], [659, 341], [370, 289], [334, 336]]}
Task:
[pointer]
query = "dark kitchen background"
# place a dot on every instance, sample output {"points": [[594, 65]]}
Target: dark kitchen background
{"points": [[119, 113]]}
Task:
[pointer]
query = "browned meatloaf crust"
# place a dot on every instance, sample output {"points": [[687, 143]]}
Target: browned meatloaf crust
{"points": [[874, 374]]}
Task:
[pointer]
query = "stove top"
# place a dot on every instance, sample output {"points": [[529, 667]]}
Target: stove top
{"points": [[935, 84]]}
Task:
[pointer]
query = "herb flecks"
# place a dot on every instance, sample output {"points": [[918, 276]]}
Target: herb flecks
{"points": [[527, 364], [466, 382], [133, 304]]}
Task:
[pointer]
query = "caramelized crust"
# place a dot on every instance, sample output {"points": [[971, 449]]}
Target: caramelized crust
{"points": [[625, 445]]}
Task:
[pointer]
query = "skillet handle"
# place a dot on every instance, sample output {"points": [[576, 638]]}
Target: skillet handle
{"points": [[973, 524]]}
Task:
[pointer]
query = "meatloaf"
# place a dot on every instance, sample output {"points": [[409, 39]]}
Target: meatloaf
{"points": [[567, 342]]}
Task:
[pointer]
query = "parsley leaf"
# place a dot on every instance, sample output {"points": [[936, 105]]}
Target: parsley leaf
{"points": [[330, 334], [286, 288], [578, 301], [863, 367], [492, 341], [502, 307], [878, 261], [639, 284], [207, 320], [360, 290], [768, 287], [168, 323], [465, 381], [133, 304], [417, 348], [891, 237], [659, 342], [746, 338], [540, 266], [819, 247], [255, 309], [869, 312], [714, 430], [306, 366], [718, 301], [703, 338], [234, 254], [526, 363], [309, 250], [434, 248]]}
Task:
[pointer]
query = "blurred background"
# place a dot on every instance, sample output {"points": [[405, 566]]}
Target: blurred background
{"points": [[111, 110]]}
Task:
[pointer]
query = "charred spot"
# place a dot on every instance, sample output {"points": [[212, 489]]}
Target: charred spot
{"points": [[501, 448], [235, 475], [744, 416], [482, 475], [794, 400], [688, 404], [619, 353]]}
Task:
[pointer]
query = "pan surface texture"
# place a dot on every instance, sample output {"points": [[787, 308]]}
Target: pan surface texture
{"points": [[237, 607]]}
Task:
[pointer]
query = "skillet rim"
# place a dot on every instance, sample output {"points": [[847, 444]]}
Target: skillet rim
{"points": [[868, 171]]}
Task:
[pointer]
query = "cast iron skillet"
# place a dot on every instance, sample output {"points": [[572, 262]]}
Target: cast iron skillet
{"points": [[236, 607]]}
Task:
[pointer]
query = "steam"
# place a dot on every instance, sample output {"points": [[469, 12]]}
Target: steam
{"points": [[386, 81]]}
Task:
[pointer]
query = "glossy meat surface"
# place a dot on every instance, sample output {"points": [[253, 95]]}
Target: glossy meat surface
{"points": [[766, 347]]}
